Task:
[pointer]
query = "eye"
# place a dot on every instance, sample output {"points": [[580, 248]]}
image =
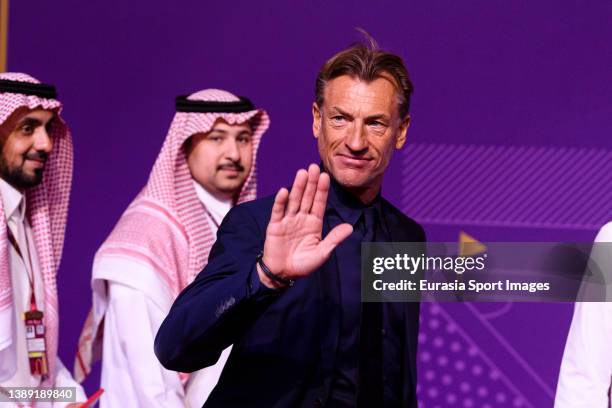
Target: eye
{"points": [[216, 139], [338, 119], [27, 129], [244, 139], [377, 126]]}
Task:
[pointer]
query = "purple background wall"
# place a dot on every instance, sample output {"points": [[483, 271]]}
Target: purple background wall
{"points": [[487, 73]]}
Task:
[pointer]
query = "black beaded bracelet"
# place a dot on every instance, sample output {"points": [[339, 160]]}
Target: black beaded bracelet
{"points": [[269, 274]]}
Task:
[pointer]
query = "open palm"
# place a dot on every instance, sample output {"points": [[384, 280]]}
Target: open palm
{"points": [[294, 246]]}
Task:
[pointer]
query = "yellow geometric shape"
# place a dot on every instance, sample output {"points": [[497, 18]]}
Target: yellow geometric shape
{"points": [[4, 10], [470, 246]]}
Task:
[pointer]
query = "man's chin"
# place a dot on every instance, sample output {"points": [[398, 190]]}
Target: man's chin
{"points": [[230, 187], [351, 178]]}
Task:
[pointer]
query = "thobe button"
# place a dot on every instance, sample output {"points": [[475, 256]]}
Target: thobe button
{"points": [[383, 332]]}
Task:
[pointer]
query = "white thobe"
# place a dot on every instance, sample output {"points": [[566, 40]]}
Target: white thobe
{"points": [[14, 363], [131, 374], [586, 368]]}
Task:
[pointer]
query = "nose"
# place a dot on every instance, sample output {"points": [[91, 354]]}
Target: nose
{"points": [[43, 141], [232, 151], [356, 139]]}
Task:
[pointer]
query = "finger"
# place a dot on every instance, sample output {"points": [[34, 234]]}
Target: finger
{"points": [[335, 237], [311, 188], [297, 191], [280, 201], [320, 199]]}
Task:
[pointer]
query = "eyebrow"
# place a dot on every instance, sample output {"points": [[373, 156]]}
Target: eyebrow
{"points": [[225, 132], [368, 118], [377, 116], [342, 112], [29, 121]]}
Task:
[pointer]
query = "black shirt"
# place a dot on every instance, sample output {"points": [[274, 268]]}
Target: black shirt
{"points": [[344, 208]]}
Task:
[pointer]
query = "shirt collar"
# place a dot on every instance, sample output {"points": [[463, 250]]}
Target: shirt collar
{"points": [[348, 207], [218, 208], [13, 201]]}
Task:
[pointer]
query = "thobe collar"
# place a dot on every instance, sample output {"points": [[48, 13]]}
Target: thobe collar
{"points": [[216, 207], [13, 201]]}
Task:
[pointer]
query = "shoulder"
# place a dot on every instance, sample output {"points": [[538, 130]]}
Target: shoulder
{"points": [[148, 216], [605, 233], [260, 205], [256, 211], [411, 230], [147, 226]]}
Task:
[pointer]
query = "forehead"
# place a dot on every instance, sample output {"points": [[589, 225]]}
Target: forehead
{"points": [[40, 115], [222, 125], [356, 96]]}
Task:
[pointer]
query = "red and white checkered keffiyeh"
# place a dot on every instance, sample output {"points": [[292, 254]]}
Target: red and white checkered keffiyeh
{"points": [[47, 210], [165, 227]]}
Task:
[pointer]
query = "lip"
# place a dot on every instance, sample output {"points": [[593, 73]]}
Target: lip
{"points": [[230, 170], [38, 162], [352, 161]]}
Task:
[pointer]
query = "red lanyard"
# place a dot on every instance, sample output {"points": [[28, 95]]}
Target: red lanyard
{"points": [[33, 319]]}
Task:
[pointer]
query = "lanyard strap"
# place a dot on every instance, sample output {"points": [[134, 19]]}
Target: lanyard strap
{"points": [[15, 245]]}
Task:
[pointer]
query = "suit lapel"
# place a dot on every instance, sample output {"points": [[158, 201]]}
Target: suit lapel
{"points": [[409, 311]]}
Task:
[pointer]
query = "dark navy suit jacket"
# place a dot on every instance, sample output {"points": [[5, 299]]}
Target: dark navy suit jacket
{"points": [[284, 341]]}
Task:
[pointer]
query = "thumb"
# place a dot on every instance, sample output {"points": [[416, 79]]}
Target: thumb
{"points": [[335, 237]]}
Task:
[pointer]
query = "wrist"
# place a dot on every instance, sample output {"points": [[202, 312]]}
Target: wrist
{"points": [[266, 281], [268, 277]]}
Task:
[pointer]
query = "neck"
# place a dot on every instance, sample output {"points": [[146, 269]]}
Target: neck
{"points": [[222, 196], [16, 187], [215, 195], [365, 195], [20, 189]]}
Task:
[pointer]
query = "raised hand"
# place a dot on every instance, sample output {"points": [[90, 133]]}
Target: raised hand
{"points": [[294, 247]]}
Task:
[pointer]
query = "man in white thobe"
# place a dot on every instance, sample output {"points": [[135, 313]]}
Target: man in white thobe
{"points": [[206, 166], [586, 368], [34, 140]]}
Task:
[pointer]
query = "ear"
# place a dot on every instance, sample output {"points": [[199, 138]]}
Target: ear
{"points": [[316, 120], [402, 131]]}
